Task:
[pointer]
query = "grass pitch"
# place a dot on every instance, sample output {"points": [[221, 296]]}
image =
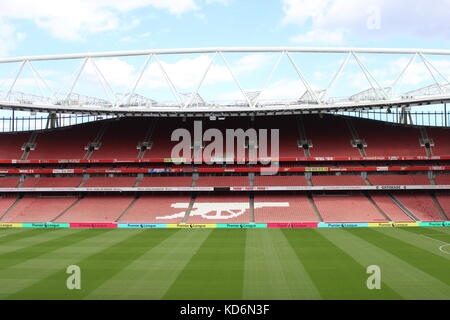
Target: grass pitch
{"points": [[225, 264]]}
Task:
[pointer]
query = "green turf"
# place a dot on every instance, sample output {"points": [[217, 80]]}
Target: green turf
{"points": [[225, 263]]}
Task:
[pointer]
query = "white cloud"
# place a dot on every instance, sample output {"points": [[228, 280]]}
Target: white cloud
{"points": [[375, 18], [73, 20], [320, 36], [9, 37]]}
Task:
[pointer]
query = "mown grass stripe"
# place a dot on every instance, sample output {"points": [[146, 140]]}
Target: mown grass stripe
{"points": [[427, 239], [64, 239], [399, 279], [23, 275], [97, 268], [216, 271], [335, 274], [422, 259], [154, 272], [272, 269], [23, 234]]}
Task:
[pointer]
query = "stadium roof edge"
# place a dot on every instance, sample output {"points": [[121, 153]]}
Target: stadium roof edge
{"points": [[226, 50]]}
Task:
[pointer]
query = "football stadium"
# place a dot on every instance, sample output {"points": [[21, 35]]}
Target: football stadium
{"points": [[307, 199]]}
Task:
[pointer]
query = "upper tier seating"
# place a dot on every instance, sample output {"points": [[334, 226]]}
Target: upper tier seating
{"points": [[121, 139], [354, 208], [281, 208], [441, 139], [65, 143], [11, 144], [330, 137], [385, 139]]}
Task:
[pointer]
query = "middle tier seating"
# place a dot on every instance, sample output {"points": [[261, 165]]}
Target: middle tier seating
{"points": [[110, 182], [51, 182], [399, 179], [333, 180]]}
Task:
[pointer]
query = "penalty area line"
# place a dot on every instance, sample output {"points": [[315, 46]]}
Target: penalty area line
{"points": [[441, 248]]}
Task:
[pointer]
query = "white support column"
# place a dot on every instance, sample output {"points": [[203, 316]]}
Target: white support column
{"points": [[195, 93], [8, 94], [236, 80], [302, 78], [139, 77]]}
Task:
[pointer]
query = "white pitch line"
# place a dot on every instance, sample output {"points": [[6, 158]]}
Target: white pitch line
{"points": [[441, 247]]}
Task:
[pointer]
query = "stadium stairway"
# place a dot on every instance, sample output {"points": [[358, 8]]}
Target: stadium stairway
{"points": [[384, 214], [404, 209], [68, 208], [11, 207], [439, 207], [356, 142], [189, 209], [314, 206], [96, 144], [147, 143], [123, 214]]}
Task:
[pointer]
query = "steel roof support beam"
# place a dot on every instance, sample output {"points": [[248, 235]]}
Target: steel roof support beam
{"points": [[139, 77], [236, 80], [195, 93], [8, 94], [302, 78], [77, 77], [432, 74]]}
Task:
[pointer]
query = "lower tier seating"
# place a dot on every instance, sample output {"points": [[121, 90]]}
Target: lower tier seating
{"points": [[227, 208], [421, 205], [385, 203], [346, 208], [157, 209], [38, 209], [96, 209], [283, 209]]}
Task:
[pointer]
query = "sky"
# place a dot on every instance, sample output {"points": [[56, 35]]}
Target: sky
{"points": [[30, 27]]}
